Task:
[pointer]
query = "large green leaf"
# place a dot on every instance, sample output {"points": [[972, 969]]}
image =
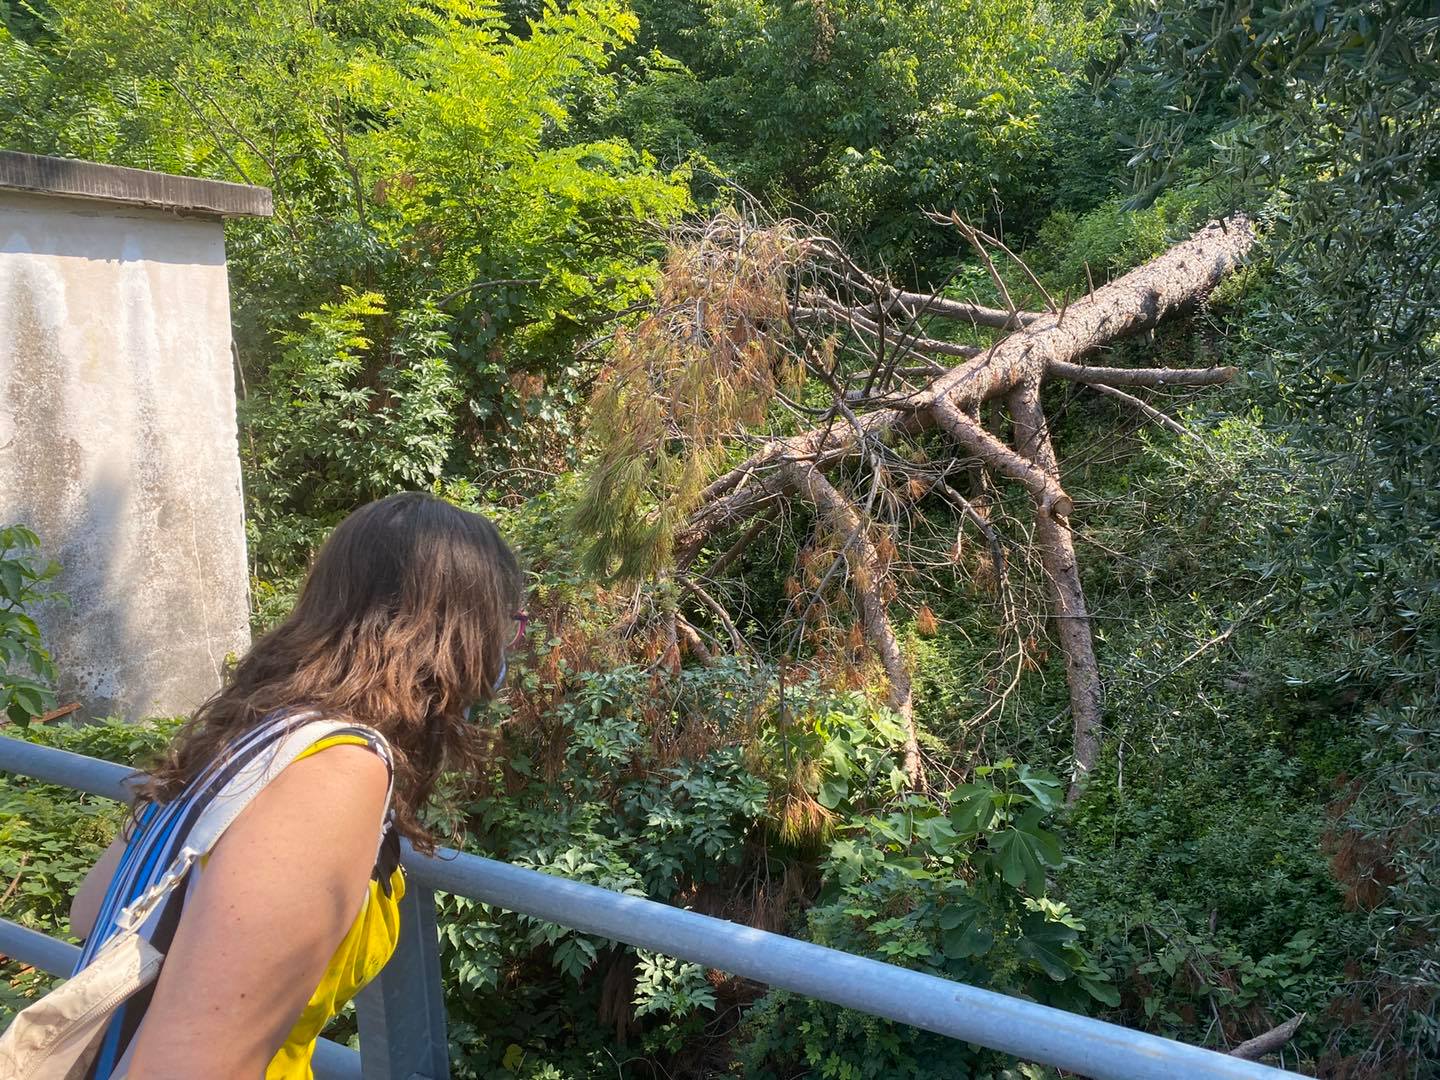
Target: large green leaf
{"points": [[973, 809], [29, 697], [1023, 855], [964, 936], [1046, 943], [970, 942], [833, 792], [12, 582], [1044, 788], [938, 832], [957, 915], [1101, 990]]}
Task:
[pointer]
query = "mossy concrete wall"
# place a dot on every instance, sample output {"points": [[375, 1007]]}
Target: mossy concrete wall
{"points": [[118, 443]]}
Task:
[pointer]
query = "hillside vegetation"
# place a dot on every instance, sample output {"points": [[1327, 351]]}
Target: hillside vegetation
{"points": [[975, 462]]}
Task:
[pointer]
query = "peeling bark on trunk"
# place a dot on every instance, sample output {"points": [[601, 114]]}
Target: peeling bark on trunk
{"points": [[1057, 556], [1051, 344]]}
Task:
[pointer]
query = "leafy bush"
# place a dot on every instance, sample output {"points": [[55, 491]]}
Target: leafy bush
{"points": [[592, 794], [865, 110], [51, 836], [27, 674], [1200, 846], [1344, 347], [956, 890], [324, 410]]}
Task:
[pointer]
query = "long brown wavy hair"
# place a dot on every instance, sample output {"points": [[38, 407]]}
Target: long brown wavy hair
{"points": [[402, 625]]}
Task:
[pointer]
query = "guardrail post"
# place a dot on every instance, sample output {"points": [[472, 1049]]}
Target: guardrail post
{"points": [[402, 1013]]}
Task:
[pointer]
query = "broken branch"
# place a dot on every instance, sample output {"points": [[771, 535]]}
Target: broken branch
{"points": [[1144, 408], [1049, 497], [1270, 1041], [1114, 376], [866, 569]]}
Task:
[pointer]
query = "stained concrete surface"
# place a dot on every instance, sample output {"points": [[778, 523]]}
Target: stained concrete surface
{"points": [[118, 445]]}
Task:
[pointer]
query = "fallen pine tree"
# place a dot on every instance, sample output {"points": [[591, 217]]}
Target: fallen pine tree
{"points": [[772, 340]]}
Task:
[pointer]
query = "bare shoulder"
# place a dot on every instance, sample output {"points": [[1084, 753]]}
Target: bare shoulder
{"points": [[347, 780], [332, 799], [345, 764]]}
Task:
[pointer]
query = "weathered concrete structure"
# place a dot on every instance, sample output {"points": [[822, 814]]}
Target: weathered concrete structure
{"points": [[117, 423]]}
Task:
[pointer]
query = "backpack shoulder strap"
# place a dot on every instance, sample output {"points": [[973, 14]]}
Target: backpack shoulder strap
{"points": [[231, 800]]}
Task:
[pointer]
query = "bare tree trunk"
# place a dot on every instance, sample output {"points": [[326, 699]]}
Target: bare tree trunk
{"points": [[693, 641], [866, 572], [1057, 556], [1048, 346]]}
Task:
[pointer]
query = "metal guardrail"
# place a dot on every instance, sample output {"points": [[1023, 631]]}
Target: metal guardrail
{"points": [[402, 1016]]}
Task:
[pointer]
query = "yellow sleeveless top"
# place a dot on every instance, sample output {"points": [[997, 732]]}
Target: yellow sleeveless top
{"points": [[358, 958]]}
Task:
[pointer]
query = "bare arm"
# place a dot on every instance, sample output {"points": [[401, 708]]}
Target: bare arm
{"points": [[85, 908], [279, 892]]}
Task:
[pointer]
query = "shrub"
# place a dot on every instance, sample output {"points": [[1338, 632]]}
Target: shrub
{"points": [[27, 674], [51, 836]]}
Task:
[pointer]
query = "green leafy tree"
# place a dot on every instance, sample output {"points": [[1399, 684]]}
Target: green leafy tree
{"points": [[428, 190], [1329, 116], [871, 110]]}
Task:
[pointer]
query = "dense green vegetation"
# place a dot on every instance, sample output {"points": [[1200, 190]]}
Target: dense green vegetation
{"points": [[472, 204]]}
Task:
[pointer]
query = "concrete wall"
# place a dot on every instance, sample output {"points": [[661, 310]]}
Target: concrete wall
{"points": [[118, 444]]}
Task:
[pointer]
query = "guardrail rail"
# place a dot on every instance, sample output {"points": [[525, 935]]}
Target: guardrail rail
{"points": [[401, 1014]]}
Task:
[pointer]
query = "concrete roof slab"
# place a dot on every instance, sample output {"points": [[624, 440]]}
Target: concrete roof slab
{"points": [[71, 178]]}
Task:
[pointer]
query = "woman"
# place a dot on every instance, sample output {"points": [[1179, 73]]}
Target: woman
{"points": [[402, 628]]}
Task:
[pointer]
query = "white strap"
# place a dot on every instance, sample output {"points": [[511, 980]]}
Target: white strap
{"points": [[230, 802]]}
